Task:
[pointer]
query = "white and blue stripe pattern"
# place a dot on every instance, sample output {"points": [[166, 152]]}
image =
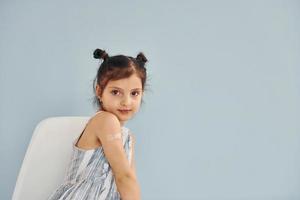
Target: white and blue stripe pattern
{"points": [[96, 181]]}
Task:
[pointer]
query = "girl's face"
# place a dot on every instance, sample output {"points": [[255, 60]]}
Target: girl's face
{"points": [[123, 94]]}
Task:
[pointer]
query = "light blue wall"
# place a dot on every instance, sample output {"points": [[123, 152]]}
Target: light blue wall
{"points": [[221, 118]]}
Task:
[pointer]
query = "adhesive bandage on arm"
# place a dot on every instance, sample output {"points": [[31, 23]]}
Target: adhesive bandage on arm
{"points": [[114, 136]]}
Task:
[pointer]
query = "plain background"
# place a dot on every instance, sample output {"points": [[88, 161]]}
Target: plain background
{"points": [[221, 116]]}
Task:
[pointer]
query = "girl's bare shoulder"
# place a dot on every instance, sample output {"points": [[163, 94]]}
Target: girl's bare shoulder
{"points": [[105, 120], [104, 116]]}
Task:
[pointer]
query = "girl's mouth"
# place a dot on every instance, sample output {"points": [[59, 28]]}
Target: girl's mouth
{"points": [[124, 111]]}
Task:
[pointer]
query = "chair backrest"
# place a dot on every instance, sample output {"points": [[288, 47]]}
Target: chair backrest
{"points": [[47, 157]]}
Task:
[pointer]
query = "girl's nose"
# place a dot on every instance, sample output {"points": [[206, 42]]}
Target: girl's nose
{"points": [[126, 101]]}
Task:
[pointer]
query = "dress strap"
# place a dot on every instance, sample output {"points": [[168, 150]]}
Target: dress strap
{"points": [[86, 126]]}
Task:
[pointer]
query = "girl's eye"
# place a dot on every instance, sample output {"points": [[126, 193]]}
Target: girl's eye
{"points": [[136, 93], [113, 91]]}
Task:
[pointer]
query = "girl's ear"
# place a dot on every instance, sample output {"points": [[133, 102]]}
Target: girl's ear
{"points": [[98, 90]]}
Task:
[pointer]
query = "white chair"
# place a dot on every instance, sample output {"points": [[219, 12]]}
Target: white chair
{"points": [[47, 157]]}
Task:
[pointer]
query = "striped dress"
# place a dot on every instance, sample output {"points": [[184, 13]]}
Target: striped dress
{"points": [[89, 175]]}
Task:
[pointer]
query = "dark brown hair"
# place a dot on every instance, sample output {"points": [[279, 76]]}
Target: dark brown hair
{"points": [[118, 67]]}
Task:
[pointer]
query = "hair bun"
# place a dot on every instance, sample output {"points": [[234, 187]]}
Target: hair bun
{"points": [[141, 57], [100, 54]]}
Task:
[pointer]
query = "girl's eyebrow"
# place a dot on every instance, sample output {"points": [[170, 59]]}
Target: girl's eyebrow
{"points": [[122, 89]]}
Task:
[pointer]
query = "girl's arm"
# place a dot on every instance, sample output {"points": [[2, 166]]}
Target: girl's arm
{"points": [[134, 175], [132, 155], [107, 128]]}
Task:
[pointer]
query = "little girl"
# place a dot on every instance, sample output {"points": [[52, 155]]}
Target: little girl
{"points": [[102, 165]]}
